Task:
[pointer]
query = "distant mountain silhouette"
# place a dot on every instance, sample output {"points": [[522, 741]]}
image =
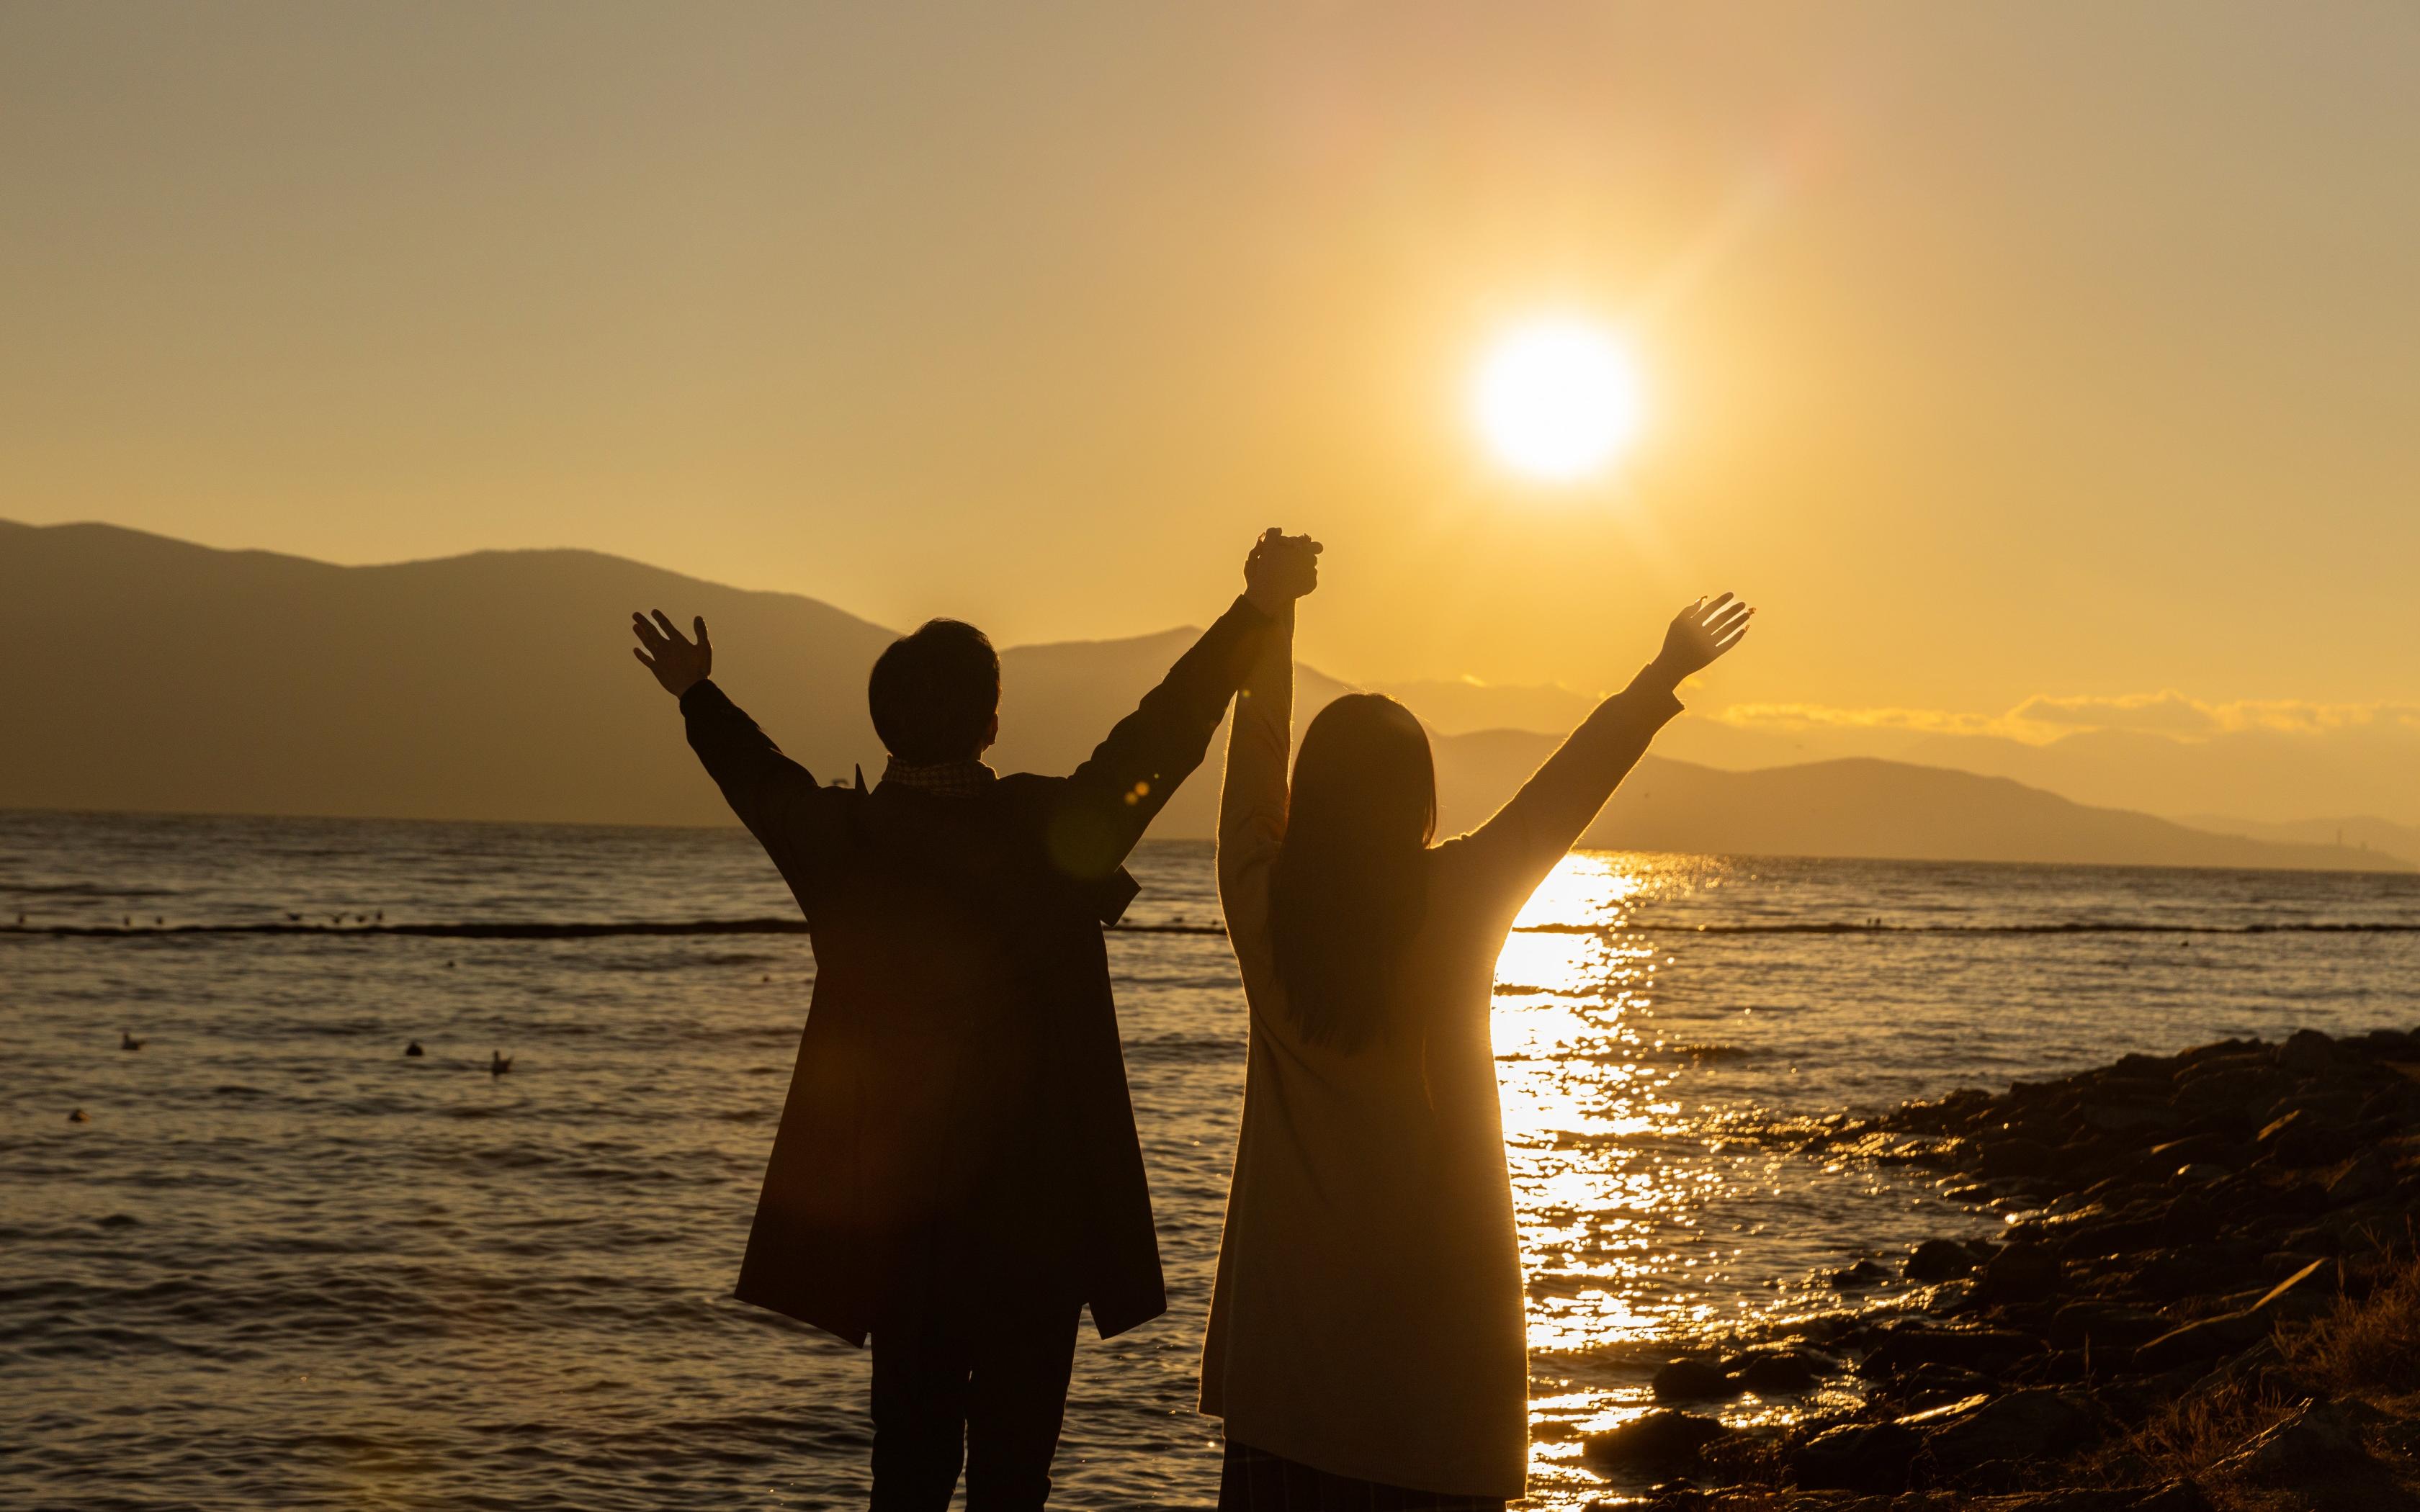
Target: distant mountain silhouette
{"points": [[2366, 831], [497, 686]]}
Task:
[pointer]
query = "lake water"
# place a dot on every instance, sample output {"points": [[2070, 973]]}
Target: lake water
{"points": [[283, 1265]]}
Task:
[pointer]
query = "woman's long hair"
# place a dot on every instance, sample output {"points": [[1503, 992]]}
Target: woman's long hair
{"points": [[1350, 886]]}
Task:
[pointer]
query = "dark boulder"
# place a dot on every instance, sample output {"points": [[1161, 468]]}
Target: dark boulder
{"points": [[1692, 1381], [2020, 1426], [1661, 1439], [1938, 1259], [1857, 1456], [2174, 1496], [2105, 1324], [2213, 1339], [2018, 1157], [1779, 1374], [1856, 1278], [2021, 1274], [1906, 1346], [2370, 1175], [2302, 1137], [2306, 1053], [2317, 1439]]}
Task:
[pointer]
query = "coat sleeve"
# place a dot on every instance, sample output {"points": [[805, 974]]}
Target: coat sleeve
{"points": [[1253, 800], [1108, 801], [1513, 851], [778, 799]]}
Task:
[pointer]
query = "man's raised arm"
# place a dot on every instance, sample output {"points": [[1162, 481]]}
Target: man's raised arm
{"points": [[771, 794], [1116, 793]]}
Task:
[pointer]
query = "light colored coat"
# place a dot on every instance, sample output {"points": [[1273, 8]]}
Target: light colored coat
{"points": [[1368, 1318]]}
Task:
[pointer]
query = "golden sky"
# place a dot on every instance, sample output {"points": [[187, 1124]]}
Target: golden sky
{"points": [[1999, 351]]}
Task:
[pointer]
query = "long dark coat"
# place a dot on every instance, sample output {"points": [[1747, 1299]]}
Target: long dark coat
{"points": [[959, 1113]]}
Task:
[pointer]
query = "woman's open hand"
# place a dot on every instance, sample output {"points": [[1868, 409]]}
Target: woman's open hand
{"points": [[1700, 633]]}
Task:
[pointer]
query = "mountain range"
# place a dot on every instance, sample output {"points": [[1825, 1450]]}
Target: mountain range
{"points": [[148, 674]]}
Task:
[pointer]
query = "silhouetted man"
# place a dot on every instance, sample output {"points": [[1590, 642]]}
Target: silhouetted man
{"points": [[958, 1172]]}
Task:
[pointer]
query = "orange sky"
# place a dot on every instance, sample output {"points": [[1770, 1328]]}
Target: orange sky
{"points": [[1999, 351]]}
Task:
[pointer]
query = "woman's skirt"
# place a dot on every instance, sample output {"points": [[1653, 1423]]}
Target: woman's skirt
{"points": [[1255, 1480]]}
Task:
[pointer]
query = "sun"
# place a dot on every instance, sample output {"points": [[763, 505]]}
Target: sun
{"points": [[1558, 400]]}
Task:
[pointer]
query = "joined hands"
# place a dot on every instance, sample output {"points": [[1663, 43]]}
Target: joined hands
{"points": [[1280, 569]]}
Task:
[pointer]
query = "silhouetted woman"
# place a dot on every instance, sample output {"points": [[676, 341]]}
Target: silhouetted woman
{"points": [[1366, 1343]]}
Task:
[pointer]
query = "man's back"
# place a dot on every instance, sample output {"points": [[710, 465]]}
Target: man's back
{"points": [[960, 1099], [957, 1171]]}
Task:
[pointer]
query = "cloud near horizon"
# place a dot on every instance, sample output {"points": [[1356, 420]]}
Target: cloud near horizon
{"points": [[2045, 717]]}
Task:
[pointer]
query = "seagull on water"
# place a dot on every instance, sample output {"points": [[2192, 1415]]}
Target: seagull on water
{"points": [[413, 1049], [128, 1041], [499, 1063]]}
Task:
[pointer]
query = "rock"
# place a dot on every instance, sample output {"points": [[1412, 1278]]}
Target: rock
{"points": [[2241, 1089], [2370, 1175], [1930, 1385], [2279, 1264], [2020, 1426], [2306, 1053], [2017, 1157], [2107, 1324], [1857, 1456], [2213, 1339], [2302, 1138], [2382, 1044], [1690, 1380], [1662, 1439], [1863, 1274], [1778, 1375], [2315, 1439], [2021, 1273], [1938, 1259], [1906, 1346], [2197, 1150], [2175, 1496], [2126, 1117]]}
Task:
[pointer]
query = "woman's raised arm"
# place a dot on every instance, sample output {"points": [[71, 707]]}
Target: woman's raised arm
{"points": [[1533, 831]]}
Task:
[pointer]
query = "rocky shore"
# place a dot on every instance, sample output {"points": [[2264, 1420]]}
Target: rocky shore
{"points": [[2204, 1297]]}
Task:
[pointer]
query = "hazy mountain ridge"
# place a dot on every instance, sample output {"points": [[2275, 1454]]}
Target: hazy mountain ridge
{"points": [[498, 686]]}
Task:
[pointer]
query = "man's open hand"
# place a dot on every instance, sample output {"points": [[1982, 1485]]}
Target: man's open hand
{"points": [[677, 663], [1699, 634], [1280, 569]]}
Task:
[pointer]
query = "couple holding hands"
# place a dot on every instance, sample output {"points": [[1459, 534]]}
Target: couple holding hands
{"points": [[957, 1173]]}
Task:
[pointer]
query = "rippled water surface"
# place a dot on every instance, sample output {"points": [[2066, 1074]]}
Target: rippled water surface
{"points": [[282, 1265]]}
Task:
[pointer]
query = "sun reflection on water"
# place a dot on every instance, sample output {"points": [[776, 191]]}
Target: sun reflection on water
{"points": [[1596, 1140]]}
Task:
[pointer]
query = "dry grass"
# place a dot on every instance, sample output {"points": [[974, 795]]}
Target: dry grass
{"points": [[2361, 1351], [2369, 1347]]}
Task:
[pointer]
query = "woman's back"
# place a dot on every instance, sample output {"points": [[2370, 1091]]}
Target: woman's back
{"points": [[1368, 1318]]}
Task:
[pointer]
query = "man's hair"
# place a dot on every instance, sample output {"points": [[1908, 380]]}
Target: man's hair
{"points": [[933, 693]]}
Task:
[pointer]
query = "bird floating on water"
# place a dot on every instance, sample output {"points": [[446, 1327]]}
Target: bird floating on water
{"points": [[292, 918], [413, 1049], [499, 1063], [77, 1116], [128, 1041]]}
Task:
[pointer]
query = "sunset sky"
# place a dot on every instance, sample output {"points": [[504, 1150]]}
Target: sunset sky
{"points": [[1999, 352]]}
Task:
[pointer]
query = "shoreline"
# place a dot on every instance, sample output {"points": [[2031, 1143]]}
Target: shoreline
{"points": [[2204, 1296]]}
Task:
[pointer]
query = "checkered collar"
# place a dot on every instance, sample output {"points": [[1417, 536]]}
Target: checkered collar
{"points": [[948, 780]]}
